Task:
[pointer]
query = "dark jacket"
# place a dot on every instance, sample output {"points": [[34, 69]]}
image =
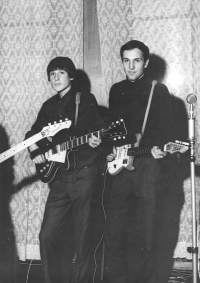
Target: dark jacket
{"points": [[89, 120], [129, 101]]}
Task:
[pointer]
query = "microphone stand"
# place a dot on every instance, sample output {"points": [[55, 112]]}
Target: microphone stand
{"points": [[194, 248]]}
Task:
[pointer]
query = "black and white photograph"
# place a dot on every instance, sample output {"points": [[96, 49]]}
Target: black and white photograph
{"points": [[99, 141]]}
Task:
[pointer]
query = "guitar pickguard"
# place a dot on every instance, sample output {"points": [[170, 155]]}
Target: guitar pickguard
{"points": [[122, 160], [60, 156]]}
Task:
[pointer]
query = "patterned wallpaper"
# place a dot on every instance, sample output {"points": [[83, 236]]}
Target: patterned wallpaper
{"points": [[33, 32]]}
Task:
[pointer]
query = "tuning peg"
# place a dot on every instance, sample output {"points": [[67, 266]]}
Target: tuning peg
{"points": [[124, 137], [55, 122], [49, 124], [60, 121], [66, 119]]}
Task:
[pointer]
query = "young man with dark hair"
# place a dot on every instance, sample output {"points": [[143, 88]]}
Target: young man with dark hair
{"points": [[133, 204], [72, 192]]}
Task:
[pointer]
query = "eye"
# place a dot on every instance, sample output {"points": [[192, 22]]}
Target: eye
{"points": [[125, 60]]}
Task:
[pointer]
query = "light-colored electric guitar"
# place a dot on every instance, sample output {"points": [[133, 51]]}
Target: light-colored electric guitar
{"points": [[47, 131], [126, 154]]}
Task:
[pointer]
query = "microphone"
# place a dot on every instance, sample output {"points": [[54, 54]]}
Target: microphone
{"points": [[191, 98]]}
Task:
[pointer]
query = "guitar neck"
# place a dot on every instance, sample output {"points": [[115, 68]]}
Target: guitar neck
{"points": [[17, 148], [77, 141], [143, 150]]}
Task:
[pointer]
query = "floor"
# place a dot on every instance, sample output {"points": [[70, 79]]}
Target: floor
{"points": [[31, 272]]}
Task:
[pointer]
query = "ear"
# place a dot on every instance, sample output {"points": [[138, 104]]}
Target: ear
{"points": [[146, 63]]}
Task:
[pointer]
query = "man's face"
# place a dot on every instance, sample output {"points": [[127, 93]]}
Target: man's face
{"points": [[60, 81], [134, 64]]}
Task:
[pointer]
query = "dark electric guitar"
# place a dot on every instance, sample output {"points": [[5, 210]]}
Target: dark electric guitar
{"points": [[59, 158], [47, 131], [126, 154]]}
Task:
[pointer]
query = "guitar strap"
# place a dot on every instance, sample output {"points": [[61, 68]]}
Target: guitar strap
{"points": [[78, 94], [154, 82]]}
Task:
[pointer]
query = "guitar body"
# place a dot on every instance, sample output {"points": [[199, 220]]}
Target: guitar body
{"points": [[54, 166], [117, 165], [122, 160]]}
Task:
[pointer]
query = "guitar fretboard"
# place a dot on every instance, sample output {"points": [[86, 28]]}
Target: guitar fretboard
{"points": [[143, 150], [15, 149], [76, 141]]}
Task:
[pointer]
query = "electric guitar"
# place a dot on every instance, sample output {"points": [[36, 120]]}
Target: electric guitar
{"points": [[126, 154], [59, 158], [47, 131]]}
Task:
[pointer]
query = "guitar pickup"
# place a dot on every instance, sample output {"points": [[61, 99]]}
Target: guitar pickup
{"points": [[125, 161]]}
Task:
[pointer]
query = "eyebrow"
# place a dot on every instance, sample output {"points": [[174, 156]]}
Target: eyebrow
{"points": [[132, 59]]}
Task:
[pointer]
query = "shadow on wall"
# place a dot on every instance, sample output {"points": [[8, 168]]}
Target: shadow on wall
{"points": [[82, 81], [157, 67], [8, 253]]}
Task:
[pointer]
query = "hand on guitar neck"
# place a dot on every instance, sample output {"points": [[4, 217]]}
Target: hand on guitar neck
{"points": [[157, 152]]}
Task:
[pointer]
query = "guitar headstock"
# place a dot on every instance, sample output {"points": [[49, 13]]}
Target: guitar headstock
{"points": [[173, 147], [117, 130], [53, 129]]}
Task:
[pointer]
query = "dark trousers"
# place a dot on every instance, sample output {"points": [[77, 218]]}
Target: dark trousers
{"points": [[131, 222], [71, 193]]}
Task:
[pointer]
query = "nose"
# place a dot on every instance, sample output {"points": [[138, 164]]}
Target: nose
{"points": [[131, 65], [56, 76]]}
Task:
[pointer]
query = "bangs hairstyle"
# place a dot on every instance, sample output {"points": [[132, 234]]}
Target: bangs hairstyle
{"points": [[62, 63]]}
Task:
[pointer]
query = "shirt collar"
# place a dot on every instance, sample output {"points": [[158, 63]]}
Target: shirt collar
{"points": [[66, 97]]}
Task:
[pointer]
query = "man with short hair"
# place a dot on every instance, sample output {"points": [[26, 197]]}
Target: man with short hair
{"points": [[134, 199], [72, 191]]}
